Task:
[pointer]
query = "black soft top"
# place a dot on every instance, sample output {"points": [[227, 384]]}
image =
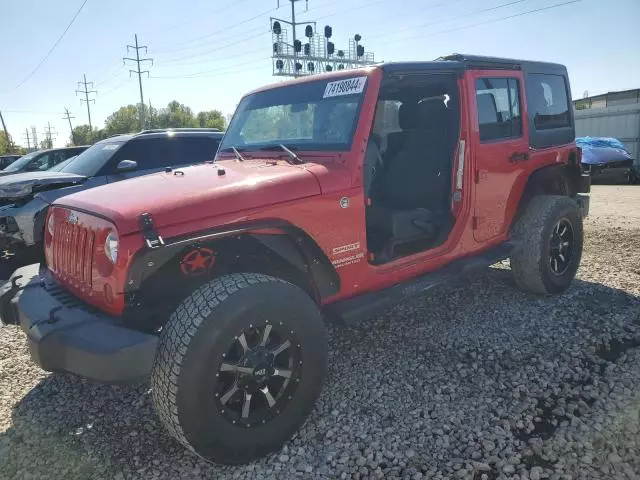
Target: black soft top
{"points": [[460, 62]]}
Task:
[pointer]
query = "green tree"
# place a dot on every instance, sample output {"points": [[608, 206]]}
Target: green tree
{"points": [[5, 144], [124, 120], [176, 115], [211, 119], [81, 135]]}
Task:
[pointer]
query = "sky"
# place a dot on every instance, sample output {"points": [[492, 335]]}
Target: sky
{"points": [[208, 53]]}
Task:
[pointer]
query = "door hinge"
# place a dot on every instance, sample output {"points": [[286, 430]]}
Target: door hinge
{"points": [[476, 222], [481, 175], [149, 232]]}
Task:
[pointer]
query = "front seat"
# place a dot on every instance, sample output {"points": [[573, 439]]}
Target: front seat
{"points": [[411, 193]]}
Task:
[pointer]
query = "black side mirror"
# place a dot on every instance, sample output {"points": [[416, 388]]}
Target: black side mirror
{"points": [[127, 166]]}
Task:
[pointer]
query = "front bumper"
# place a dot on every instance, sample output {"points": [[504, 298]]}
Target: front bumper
{"points": [[66, 335], [22, 226], [612, 169]]}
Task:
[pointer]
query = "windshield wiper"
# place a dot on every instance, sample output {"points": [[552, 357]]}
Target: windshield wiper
{"points": [[237, 153], [293, 157]]}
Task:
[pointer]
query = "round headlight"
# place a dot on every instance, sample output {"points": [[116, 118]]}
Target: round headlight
{"points": [[50, 224], [111, 246]]}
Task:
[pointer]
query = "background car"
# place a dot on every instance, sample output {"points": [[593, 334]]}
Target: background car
{"points": [[42, 160], [6, 160], [24, 197]]}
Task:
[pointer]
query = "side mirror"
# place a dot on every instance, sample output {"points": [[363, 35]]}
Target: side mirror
{"points": [[127, 166]]}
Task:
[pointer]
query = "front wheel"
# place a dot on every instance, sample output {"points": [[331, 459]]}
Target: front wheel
{"points": [[239, 367], [551, 236]]}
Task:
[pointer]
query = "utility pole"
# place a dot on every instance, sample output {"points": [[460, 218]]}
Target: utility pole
{"points": [[6, 132], [138, 60], [48, 134], [34, 138], [26, 131], [86, 92], [69, 117]]}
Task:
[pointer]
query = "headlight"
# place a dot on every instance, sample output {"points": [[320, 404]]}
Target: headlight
{"points": [[111, 246], [50, 224]]}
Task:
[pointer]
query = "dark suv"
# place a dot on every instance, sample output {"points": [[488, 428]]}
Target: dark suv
{"points": [[24, 197], [6, 160], [42, 160]]}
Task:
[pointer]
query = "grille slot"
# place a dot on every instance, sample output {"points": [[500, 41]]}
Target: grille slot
{"points": [[72, 251]]}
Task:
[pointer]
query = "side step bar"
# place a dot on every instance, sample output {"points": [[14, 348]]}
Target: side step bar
{"points": [[354, 309]]}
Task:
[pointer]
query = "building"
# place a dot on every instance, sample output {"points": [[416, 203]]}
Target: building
{"points": [[611, 99]]}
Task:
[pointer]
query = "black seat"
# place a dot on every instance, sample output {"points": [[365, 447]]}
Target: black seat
{"points": [[410, 190]]}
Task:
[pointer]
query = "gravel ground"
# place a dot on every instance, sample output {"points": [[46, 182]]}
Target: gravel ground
{"points": [[475, 381]]}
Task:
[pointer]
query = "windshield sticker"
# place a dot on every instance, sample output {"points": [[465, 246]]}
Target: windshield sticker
{"points": [[111, 146], [345, 87]]}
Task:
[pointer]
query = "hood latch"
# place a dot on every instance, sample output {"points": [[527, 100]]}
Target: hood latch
{"points": [[149, 232]]}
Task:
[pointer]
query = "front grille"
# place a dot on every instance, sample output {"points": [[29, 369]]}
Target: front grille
{"points": [[73, 252]]}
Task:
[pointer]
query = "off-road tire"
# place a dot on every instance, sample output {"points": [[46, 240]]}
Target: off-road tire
{"points": [[191, 347], [530, 265]]}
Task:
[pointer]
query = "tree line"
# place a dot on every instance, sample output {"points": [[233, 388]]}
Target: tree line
{"points": [[127, 120]]}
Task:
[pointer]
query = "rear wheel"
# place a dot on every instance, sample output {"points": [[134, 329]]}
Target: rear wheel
{"points": [[551, 234], [239, 366]]}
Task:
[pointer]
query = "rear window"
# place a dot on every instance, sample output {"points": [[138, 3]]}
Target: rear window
{"points": [[548, 102]]}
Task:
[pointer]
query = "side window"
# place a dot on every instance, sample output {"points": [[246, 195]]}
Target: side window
{"points": [[149, 153], [498, 104], [548, 102], [40, 163], [196, 149]]}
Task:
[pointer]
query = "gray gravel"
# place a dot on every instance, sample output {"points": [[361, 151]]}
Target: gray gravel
{"points": [[474, 381]]}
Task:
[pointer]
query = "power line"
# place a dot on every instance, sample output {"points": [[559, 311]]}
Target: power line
{"points": [[138, 60], [217, 12], [214, 59], [86, 99], [53, 47], [208, 73], [213, 42], [450, 19], [172, 47], [216, 74], [117, 87], [69, 117], [207, 52], [485, 22]]}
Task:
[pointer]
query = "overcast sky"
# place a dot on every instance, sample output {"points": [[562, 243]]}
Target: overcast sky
{"points": [[225, 45]]}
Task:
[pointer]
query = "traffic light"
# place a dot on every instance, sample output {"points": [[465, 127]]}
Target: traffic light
{"points": [[311, 67], [277, 28], [297, 46], [308, 31], [331, 48], [360, 50], [307, 49], [279, 64], [328, 31]]}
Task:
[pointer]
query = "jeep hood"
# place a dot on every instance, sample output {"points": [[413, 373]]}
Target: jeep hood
{"points": [[23, 185], [192, 193]]}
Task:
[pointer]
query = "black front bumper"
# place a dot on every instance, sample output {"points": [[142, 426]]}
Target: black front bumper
{"points": [[66, 335]]}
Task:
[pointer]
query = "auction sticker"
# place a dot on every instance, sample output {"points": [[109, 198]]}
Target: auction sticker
{"points": [[345, 87]]}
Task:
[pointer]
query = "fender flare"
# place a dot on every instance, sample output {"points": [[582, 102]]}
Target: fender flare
{"points": [[289, 242]]}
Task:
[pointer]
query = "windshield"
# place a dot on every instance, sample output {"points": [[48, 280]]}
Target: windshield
{"points": [[21, 162], [319, 115], [89, 162]]}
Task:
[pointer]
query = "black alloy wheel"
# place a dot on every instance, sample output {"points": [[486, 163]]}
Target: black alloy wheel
{"points": [[258, 374], [561, 247]]}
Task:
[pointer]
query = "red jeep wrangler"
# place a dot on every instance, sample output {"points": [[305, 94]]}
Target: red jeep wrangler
{"points": [[331, 195]]}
